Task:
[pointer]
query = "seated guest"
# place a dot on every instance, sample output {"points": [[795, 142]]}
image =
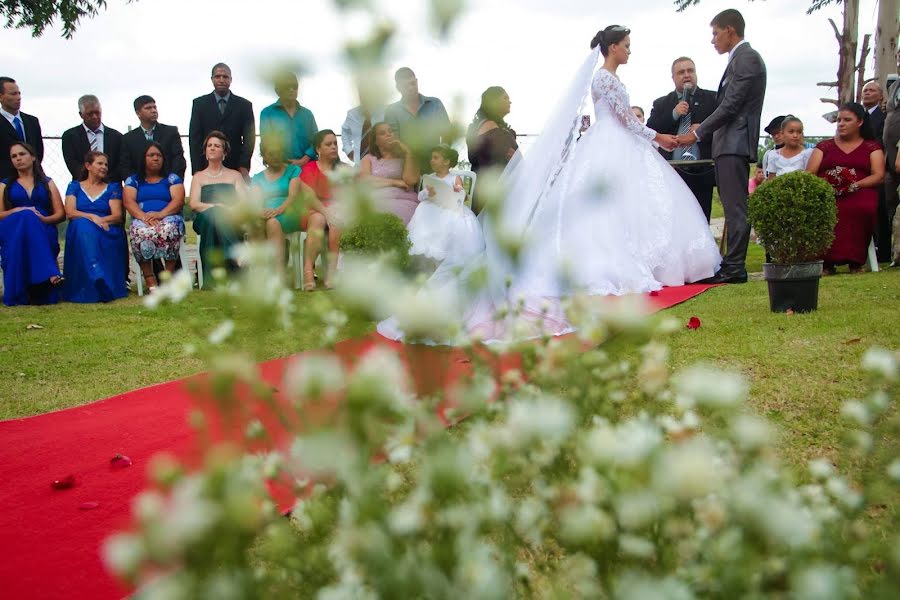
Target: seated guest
{"points": [[154, 199], [853, 163], [491, 141], [638, 113], [92, 135], [793, 154], [16, 126], [223, 111], [356, 132], [95, 240], [321, 214], [29, 243], [135, 142], [279, 187], [678, 112], [292, 124], [392, 169], [214, 191]]}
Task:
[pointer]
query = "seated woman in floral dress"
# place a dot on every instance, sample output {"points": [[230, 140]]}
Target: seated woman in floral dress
{"points": [[154, 198]]}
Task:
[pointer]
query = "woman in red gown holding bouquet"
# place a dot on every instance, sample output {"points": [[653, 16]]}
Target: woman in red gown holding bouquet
{"points": [[853, 163]]}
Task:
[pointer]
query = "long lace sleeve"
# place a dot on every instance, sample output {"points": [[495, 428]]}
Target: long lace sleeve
{"points": [[607, 88]]}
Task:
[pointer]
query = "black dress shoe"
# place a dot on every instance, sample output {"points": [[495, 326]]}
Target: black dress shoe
{"points": [[726, 277]]}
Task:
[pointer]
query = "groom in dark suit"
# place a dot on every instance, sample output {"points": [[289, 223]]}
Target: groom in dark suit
{"points": [[734, 130], [91, 134], [16, 126], [223, 111], [675, 113]]}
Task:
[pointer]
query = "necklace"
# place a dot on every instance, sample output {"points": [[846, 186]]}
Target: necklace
{"points": [[217, 175]]}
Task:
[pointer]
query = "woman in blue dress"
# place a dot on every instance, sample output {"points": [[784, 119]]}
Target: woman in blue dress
{"points": [[154, 199], [95, 259], [29, 245], [279, 188]]}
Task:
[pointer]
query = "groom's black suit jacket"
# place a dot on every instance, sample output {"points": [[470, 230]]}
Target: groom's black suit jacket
{"points": [[703, 103]]}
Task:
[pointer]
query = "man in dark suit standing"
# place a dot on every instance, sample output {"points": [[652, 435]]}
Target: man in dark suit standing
{"points": [[223, 111], [872, 98], [134, 143], [16, 126], [674, 113], [89, 136], [734, 130]]}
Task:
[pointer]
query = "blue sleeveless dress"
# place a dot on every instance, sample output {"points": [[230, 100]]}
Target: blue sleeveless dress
{"points": [[96, 261], [28, 249]]}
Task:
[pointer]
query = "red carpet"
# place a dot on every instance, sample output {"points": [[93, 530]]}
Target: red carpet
{"points": [[49, 544]]}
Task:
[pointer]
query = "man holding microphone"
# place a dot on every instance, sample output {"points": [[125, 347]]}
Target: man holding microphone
{"points": [[682, 111]]}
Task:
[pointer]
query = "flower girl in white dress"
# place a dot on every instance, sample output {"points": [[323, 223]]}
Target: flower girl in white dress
{"points": [[442, 221]]}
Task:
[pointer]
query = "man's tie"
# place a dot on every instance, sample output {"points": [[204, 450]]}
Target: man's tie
{"points": [[684, 126], [149, 135], [366, 140], [94, 139], [222, 105], [17, 123]]}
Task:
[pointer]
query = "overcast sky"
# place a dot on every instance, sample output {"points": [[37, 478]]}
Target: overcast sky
{"points": [[165, 48]]}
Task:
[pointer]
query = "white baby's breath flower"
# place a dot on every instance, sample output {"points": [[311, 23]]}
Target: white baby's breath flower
{"points": [[635, 586], [752, 433], [313, 376], [123, 553], [824, 582], [637, 547], [841, 491], [893, 470], [856, 411], [148, 506], [638, 510], [222, 332], [627, 445], [689, 470], [821, 468], [710, 387], [881, 362], [546, 419], [407, 518], [585, 524]]}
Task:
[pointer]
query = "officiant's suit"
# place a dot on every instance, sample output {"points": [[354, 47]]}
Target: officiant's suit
{"points": [[700, 178], [733, 129]]}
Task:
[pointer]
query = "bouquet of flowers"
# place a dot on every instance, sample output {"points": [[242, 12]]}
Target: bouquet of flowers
{"points": [[843, 180]]}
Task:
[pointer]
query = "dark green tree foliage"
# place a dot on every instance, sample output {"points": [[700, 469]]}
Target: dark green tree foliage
{"points": [[37, 15], [815, 5]]}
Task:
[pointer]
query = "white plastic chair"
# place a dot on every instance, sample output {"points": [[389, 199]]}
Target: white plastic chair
{"points": [[295, 256], [136, 275], [470, 177], [873, 256], [190, 260]]}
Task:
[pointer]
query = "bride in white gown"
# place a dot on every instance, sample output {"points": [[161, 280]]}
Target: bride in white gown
{"points": [[600, 215]]}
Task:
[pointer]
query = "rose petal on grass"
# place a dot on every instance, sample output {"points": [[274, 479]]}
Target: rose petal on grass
{"points": [[694, 323], [34, 326], [64, 483]]}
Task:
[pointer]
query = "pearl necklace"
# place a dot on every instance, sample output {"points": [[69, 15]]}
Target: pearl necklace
{"points": [[217, 175]]}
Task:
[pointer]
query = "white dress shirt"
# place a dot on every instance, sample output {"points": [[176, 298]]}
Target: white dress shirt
{"points": [[351, 130], [736, 46], [9, 117], [88, 131]]}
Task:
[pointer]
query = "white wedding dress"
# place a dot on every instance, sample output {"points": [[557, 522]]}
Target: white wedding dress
{"points": [[601, 215]]}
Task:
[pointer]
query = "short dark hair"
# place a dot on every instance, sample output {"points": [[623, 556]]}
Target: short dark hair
{"points": [[403, 72], [226, 145], [219, 66], [142, 167], [609, 36], [866, 131], [683, 59], [142, 101], [285, 78], [3, 81], [448, 153], [320, 137], [730, 18], [89, 159]]}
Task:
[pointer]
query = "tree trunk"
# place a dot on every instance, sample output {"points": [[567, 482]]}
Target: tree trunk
{"points": [[886, 40], [848, 40]]}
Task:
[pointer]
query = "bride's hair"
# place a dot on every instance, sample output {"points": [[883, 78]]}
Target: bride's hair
{"points": [[609, 36]]}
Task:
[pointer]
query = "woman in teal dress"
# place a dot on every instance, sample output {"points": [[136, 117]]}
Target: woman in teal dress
{"points": [[95, 262], [29, 245], [279, 188], [214, 192]]}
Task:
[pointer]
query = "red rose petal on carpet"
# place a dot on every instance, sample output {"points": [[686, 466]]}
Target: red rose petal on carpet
{"points": [[63, 483], [119, 461], [88, 505]]}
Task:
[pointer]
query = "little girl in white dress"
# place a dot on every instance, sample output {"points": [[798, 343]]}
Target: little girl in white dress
{"points": [[793, 155], [442, 220]]}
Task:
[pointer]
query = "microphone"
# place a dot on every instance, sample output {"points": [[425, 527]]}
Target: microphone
{"points": [[688, 91]]}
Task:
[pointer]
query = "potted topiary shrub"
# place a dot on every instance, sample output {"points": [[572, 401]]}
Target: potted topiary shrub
{"points": [[794, 216], [378, 234]]}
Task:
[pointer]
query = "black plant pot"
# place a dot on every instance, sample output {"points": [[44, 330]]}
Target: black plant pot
{"points": [[793, 287]]}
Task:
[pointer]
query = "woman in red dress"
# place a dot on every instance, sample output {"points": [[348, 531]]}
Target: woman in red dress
{"points": [[853, 163], [315, 176]]}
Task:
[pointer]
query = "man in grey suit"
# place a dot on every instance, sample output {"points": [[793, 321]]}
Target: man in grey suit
{"points": [[734, 129]]}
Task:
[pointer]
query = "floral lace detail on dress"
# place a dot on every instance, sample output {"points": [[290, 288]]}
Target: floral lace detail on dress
{"points": [[608, 88]]}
